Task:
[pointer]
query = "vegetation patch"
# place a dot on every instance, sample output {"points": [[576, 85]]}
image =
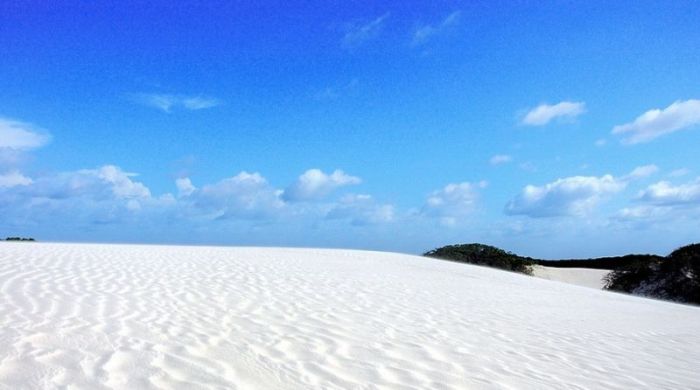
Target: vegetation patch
{"points": [[486, 255], [675, 277]]}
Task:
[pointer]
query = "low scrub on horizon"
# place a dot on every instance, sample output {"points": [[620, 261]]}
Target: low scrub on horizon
{"points": [[486, 255]]}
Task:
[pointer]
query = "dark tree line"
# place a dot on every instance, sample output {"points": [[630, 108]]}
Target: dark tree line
{"points": [[610, 263], [674, 277]]}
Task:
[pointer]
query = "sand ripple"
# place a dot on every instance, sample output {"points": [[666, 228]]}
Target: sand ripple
{"points": [[131, 317]]}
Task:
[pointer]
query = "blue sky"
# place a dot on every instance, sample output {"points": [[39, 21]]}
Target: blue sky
{"points": [[553, 129]]}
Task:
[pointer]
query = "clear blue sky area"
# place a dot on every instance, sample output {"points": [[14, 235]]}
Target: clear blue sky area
{"points": [[552, 129]]}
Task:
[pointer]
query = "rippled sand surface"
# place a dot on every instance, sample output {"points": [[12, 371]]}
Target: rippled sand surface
{"points": [[137, 317]]}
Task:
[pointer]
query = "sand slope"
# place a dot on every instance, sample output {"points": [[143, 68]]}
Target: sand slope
{"points": [[129, 317], [586, 277]]}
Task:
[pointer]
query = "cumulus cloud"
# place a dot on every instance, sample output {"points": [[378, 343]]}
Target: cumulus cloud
{"points": [[574, 195], [168, 102], [20, 136], [358, 33], [89, 196], [314, 184], [424, 33], [184, 186], [120, 182], [663, 202], [665, 193], [658, 122], [454, 201], [112, 197], [14, 178], [109, 194], [361, 210], [500, 159], [545, 113], [107, 182], [246, 195]]}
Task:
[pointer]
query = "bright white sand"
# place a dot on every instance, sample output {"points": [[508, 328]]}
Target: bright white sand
{"points": [[131, 317], [586, 277]]}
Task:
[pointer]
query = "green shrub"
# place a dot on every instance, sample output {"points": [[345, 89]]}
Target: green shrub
{"points": [[483, 255]]}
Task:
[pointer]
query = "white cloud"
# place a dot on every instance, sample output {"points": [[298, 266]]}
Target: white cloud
{"points": [[14, 178], [358, 33], [103, 195], [644, 214], [106, 182], [454, 201], [184, 186], [246, 195], [361, 210], [637, 212], [121, 183], [545, 113], [20, 136], [198, 103], [426, 32], [641, 172], [657, 122], [665, 193], [168, 102], [574, 195], [500, 159], [110, 195], [663, 204], [601, 142], [314, 184]]}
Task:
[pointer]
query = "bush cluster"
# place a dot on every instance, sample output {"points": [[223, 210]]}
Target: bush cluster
{"points": [[674, 277], [481, 254]]}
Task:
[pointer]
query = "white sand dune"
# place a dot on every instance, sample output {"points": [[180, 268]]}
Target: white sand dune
{"points": [[132, 317], [586, 277]]}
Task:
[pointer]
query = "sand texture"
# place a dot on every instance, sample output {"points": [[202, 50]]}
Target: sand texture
{"points": [[137, 317], [586, 277]]}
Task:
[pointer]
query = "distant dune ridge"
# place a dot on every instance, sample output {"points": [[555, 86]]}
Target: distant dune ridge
{"points": [[176, 317]]}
